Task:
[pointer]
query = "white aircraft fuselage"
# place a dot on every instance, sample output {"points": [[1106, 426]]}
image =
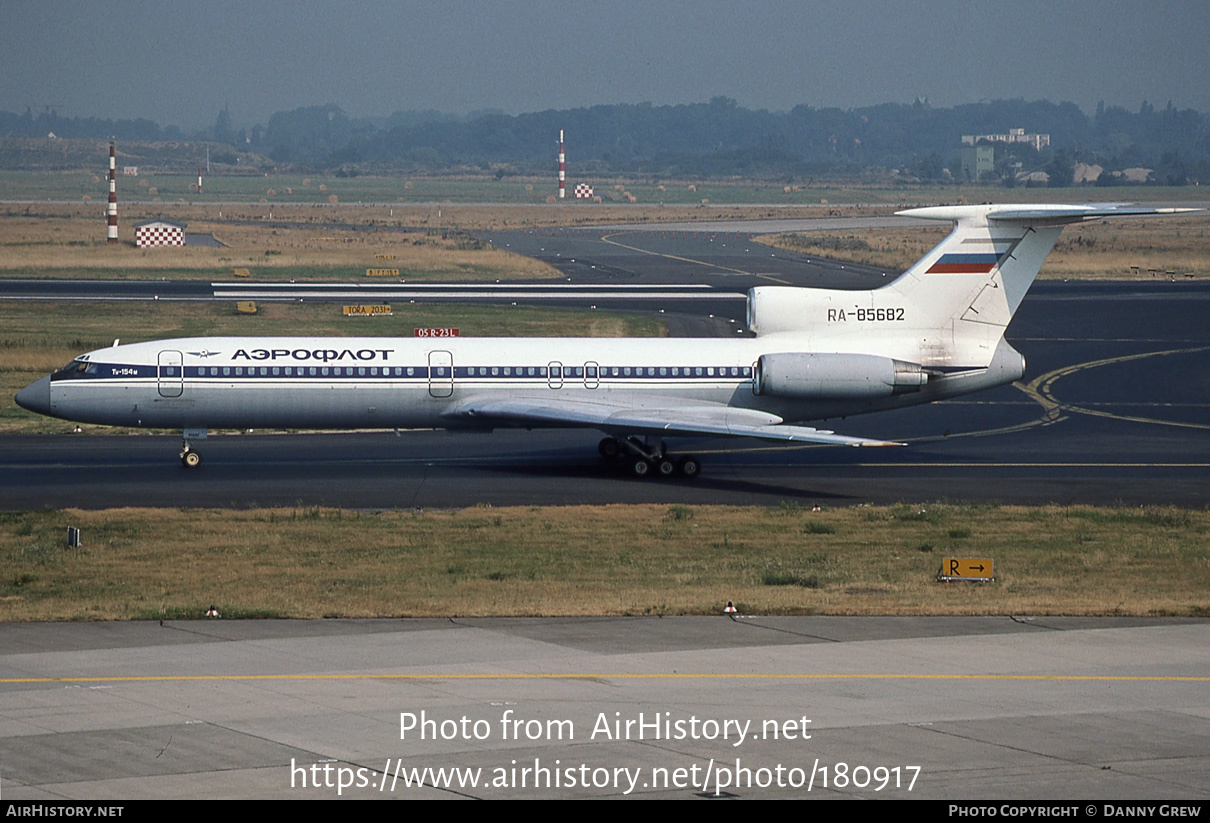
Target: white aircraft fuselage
{"points": [[313, 382]]}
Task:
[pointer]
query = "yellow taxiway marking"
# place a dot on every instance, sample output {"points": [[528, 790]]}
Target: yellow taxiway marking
{"points": [[605, 238], [1042, 388], [187, 678]]}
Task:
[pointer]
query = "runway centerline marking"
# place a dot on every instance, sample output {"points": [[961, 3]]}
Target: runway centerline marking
{"points": [[605, 238], [187, 678], [974, 464]]}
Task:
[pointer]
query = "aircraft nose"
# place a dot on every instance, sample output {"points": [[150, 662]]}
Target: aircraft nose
{"points": [[36, 396]]}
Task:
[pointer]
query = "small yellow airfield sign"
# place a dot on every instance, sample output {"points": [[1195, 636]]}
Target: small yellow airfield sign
{"points": [[977, 569], [367, 311]]}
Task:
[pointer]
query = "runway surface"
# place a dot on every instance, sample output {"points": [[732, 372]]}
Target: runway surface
{"points": [[943, 708]]}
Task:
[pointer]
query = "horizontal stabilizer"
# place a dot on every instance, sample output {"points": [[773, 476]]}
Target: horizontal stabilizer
{"points": [[1052, 213]]}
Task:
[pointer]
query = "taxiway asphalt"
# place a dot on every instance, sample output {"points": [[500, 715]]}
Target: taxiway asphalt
{"points": [[823, 707]]}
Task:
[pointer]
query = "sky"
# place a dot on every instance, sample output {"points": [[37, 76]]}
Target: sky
{"points": [[180, 62]]}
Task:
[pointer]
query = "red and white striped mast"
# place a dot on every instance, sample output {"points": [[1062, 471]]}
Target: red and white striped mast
{"points": [[111, 233], [562, 169]]}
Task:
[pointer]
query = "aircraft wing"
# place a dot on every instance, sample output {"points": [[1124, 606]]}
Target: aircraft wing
{"points": [[693, 418]]}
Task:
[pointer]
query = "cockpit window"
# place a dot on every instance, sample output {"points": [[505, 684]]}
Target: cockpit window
{"points": [[77, 368]]}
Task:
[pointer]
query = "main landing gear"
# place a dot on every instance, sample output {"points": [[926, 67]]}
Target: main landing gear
{"points": [[643, 459]]}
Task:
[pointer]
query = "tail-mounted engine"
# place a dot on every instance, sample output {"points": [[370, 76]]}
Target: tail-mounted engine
{"points": [[804, 376], [774, 309]]}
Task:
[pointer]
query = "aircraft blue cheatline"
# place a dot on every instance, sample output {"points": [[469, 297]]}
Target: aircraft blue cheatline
{"points": [[935, 332]]}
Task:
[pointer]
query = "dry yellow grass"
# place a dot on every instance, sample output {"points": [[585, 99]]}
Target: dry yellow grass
{"points": [[67, 239], [138, 563], [61, 241]]}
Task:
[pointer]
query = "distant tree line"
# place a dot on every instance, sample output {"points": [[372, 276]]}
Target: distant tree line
{"points": [[715, 139]]}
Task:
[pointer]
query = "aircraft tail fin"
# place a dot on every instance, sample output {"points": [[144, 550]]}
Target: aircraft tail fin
{"points": [[982, 270]]}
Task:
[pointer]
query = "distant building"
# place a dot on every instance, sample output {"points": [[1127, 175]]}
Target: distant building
{"points": [[978, 162], [1086, 173], [159, 233], [1038, 141], [1033, 178]]}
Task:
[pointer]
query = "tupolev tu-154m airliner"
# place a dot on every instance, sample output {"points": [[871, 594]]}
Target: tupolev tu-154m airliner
{"points": [[935, 332]]}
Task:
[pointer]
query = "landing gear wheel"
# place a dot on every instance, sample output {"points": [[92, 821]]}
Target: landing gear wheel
{"points": [[639, 467], [689, 466], [609, 448], [664, 467], [191, 459]]}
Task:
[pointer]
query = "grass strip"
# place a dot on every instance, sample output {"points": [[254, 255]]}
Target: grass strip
{"points": [[600, 560]]}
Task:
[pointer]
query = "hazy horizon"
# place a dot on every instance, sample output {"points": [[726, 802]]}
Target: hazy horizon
{"points": [[181, 63]]}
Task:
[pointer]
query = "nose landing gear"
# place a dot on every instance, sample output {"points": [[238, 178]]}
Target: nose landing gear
{"points": [[191, 458]]}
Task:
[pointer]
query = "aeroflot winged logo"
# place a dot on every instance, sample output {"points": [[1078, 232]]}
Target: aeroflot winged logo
{"points": [[204, 353]]}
